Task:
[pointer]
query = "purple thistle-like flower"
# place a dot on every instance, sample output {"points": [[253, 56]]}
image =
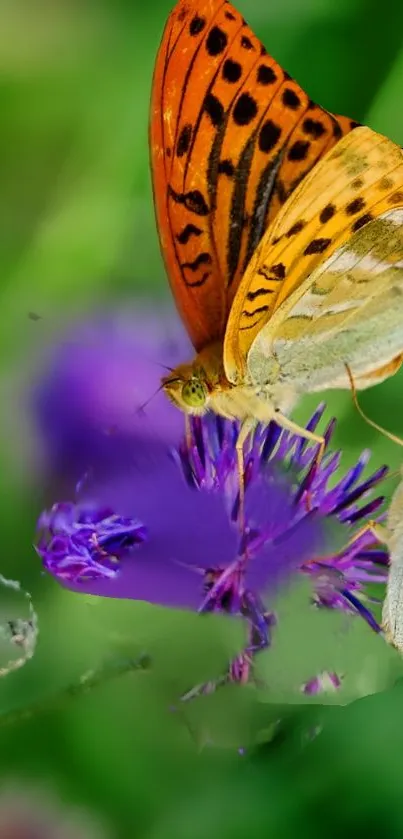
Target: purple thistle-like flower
{"points": [[172, 523], [156, 516]]}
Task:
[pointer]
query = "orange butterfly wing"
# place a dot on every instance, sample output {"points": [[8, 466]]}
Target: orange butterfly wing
{"points": [[231, 136]]}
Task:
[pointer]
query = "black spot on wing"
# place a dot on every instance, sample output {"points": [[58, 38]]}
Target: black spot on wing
{"points": [[327, 213], [317, 246], [216, 41], [361, 221], [299, 150], [202, 259], [193, 201], [246, 43], [355, 206], [184, 140], [197, 25], [226, 167], [313, 128], [255, 315], [296, 228], [260, 292], [266, 75], [291, 99], [214, 109], [278, 270], [269, 136], [186, 234], [231, 71], [257, 311], [245, 109]]}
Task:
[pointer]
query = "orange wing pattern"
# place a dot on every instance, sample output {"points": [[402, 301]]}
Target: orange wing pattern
{"points": [[231, 137]]}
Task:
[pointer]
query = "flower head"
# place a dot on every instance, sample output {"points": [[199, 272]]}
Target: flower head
{"points": [[167, 531]]}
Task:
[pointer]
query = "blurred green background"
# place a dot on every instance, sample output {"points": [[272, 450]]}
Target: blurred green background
{"points": [[77, 228]]}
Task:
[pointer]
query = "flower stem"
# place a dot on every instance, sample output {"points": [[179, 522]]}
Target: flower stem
{"points": [[88, 681]]}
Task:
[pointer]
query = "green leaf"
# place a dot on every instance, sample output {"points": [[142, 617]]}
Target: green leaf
{"points": [[309, 641]]}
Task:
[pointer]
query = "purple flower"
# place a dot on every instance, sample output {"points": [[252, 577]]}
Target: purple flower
{"points": [[84, 542], [171, 522], [325, 682], [97, 392]]}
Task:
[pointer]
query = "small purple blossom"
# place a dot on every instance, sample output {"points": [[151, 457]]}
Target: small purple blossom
{"points": [[325, 682], [80, 543]]}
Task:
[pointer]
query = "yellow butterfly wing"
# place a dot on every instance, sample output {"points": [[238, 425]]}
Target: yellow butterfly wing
{"points": [[348, 311], [357, 183]]}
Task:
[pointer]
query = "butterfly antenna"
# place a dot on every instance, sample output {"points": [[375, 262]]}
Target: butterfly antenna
{"points": [[363, 415], [141, 408], [160, 364]]}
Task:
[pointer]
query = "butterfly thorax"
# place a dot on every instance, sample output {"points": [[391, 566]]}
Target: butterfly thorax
{"points": [[202, 385], [194, 387]]}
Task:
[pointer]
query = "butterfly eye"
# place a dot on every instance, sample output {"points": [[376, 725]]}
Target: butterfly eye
{"points": [[194, 394]]}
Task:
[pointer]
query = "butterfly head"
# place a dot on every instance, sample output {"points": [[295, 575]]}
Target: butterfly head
{"points": [[187, 388]]}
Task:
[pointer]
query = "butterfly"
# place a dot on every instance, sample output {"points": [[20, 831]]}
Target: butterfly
{"points": [[281, 227]]}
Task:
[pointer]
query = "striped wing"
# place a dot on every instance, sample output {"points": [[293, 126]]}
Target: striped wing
{"points": [[231, 136], [310, 262]]}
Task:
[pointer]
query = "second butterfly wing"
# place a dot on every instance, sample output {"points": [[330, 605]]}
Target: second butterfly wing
{"points": [[338, 246]]}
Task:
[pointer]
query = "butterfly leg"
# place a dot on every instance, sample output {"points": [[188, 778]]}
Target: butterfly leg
{"points": [[246, 428], [378, 531], [388, 434], [289, 425]]}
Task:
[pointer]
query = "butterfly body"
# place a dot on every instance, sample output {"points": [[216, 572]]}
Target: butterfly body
{"points": [[202, 385]]}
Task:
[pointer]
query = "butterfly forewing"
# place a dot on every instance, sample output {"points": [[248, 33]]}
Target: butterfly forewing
{"points": [[358, 181], [231, 137]]}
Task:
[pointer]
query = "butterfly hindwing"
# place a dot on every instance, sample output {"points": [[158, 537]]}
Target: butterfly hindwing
{"points": [[231, 136], [332, 216], [350, 311]]}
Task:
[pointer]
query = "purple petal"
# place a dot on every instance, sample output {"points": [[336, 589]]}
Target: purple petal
{"points": [[87, 401], [188, 532]]}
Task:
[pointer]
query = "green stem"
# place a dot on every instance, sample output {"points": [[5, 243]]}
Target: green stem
{"points": [[89, 681]]}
